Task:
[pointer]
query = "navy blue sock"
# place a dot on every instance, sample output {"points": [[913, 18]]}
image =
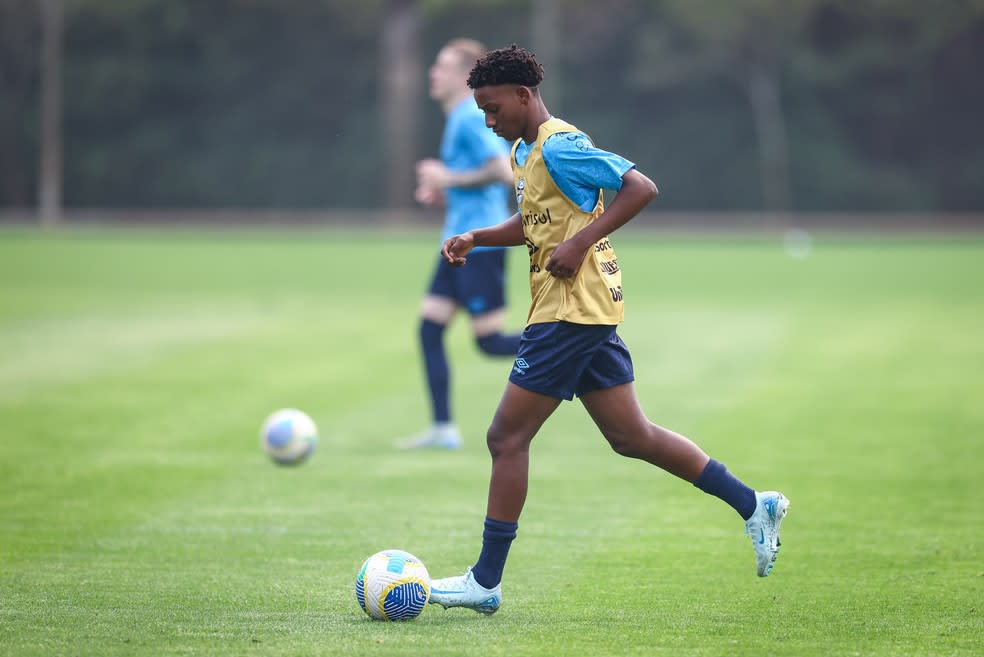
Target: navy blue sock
{"points": [[436, 365], [498, 344], [496, 539], [717, 481]]}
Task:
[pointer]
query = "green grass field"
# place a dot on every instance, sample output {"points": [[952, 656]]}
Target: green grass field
{"points": [[138, 515]]}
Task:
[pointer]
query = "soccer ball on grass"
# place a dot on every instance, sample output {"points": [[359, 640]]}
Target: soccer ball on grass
{"points": [[392, 585], [289, 436]]}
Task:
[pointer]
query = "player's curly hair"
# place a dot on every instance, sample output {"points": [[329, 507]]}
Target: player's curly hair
{"points": [[512, 65]]}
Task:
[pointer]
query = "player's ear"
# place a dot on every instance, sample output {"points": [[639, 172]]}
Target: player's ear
{"points": [[524, 94]]}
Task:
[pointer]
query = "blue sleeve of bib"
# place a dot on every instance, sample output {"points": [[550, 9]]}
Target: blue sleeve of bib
{"points": [[581, 170]]}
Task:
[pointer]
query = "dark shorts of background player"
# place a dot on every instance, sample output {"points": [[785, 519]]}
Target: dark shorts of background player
{"points": [[561, 359], [478, 287]]}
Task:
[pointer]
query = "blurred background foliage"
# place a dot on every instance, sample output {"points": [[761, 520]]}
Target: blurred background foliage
{"points": [[809, 105]]}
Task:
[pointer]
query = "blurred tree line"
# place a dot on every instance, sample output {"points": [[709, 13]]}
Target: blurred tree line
{"points": [[809, 105]]}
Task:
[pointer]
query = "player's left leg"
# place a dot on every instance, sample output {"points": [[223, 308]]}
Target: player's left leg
{"points": [[519, 416]]}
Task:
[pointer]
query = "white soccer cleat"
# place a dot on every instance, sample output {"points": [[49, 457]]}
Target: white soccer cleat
{"points": [[763, 528], [464, 591], [436, 436]]}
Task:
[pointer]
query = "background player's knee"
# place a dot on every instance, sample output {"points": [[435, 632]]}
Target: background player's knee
{"points": [[431, 333]]}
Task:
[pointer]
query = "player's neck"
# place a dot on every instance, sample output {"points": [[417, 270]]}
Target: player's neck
{"points": [[538, 115]]}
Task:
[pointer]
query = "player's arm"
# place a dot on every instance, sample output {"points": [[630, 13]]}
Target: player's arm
{"points": [[434, 174], [493, 170], [508, 233], [636, 192]]}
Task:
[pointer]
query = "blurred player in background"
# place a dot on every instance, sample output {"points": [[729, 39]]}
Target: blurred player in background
{"points": [[570, 346], [470, 181]]}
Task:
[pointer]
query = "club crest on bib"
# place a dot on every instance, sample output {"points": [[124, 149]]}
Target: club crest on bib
{"points": [[520, 186]]}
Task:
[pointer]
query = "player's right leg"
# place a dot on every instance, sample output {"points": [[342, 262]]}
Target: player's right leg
{"points": [[763, 528], [617, 414]]}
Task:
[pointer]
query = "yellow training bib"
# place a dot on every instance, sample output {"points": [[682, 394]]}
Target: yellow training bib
{"points": [[594, 295]]}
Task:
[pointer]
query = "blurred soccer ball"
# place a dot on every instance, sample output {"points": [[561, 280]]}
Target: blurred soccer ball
{"points": [[289, 436], [798, 244], [392, 585]]}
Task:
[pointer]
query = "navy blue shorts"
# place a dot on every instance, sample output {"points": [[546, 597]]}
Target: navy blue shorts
{"points": [[478, 286], [561, 359]]}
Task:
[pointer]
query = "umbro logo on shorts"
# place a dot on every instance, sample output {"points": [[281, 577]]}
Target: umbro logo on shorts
{"points": [[521, 366]]}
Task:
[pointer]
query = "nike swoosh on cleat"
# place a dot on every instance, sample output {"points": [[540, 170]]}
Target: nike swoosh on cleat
{"points": [[762, 539]]}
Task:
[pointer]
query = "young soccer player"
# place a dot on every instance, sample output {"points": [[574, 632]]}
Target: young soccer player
{"points": [[471, 179], [570, 346]]}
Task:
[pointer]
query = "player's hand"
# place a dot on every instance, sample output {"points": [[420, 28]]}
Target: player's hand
{"points": [[457, 247], [433, 173], [566, 259], [429, 196]]}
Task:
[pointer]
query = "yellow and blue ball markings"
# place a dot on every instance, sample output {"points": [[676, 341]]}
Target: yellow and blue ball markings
{"points": [[402, 599], [360, 587]]}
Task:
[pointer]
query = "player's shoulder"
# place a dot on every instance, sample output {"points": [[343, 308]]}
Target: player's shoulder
{"points": [[570, 142]]}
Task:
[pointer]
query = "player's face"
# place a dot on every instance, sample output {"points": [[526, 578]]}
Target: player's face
{"points": [[447, 75], [505, 109]]}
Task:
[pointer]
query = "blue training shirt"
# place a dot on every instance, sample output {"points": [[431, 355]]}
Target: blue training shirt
{"points": [[468, 144], [578, 168]]}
